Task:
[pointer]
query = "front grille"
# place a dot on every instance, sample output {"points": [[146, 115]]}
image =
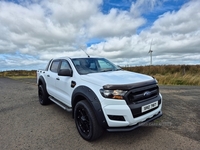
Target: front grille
{"points": [[141, 94], [136, 98]]}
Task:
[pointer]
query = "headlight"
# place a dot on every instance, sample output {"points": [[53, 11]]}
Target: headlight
{"points": [[114, 94]]}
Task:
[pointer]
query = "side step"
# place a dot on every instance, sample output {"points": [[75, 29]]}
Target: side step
{"points": [[65, 107]]}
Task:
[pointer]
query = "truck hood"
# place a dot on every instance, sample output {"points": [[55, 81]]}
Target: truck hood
{"points": [[115, 78]]}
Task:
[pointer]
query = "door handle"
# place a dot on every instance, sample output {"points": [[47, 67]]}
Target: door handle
{"points": [[57, 78], [48, 75]]}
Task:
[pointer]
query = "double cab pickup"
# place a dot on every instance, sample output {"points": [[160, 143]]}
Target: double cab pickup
{"points": [[100, 95]]}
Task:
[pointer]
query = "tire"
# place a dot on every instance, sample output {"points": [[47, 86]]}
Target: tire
{"points": [[43, 95], [86, 122]]}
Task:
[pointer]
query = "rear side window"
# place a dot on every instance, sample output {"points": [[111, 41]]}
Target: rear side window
{"points": [[54, 66]]}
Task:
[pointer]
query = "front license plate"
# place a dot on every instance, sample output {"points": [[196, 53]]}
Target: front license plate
{"points": [[149, 106]]}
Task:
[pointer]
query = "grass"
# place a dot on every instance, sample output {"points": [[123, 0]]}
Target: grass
{"points": [[171, 74], [21, 77], [176, 79]]}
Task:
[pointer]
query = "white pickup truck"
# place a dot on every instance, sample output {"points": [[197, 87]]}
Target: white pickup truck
{"points": [[100, 95]]}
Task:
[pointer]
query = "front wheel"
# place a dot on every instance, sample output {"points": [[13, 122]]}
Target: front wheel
{"points": [[86, 122]]}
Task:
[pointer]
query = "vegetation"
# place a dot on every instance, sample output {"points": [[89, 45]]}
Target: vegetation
{"points": [[19, 74], [171, 74], [165, 74]]}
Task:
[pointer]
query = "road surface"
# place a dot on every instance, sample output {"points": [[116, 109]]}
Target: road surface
{"points": [[26, 125]]}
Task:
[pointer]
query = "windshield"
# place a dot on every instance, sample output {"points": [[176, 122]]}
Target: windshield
{"points": [[93, 65]]}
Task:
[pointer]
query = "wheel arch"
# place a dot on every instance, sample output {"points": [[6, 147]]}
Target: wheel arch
{"points": [[44, 99], [41, 81], [85, 93]]}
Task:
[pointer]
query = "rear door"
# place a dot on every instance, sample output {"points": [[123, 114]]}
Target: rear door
{"points": [[51, 77]]}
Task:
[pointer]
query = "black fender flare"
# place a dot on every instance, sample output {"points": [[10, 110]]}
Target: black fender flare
{"points": [[41, 79], [92, 99]]}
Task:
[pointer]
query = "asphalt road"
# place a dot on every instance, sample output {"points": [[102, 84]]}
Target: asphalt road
{"points": [[26, 125]]}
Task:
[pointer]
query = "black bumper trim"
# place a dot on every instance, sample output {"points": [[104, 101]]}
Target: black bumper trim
{"points": [[130, 128]]}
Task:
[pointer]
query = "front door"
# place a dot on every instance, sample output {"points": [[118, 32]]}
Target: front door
{"points": [[63, 85]]}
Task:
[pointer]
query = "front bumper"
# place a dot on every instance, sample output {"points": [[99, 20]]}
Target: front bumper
{"points": [[130, 128], [121, 117]]}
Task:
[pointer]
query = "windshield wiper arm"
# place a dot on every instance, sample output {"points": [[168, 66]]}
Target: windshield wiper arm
{"points": [[105, 70]]}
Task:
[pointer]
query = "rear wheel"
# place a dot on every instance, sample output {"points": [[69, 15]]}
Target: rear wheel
{"points": [[43, 95], [86, 121]]}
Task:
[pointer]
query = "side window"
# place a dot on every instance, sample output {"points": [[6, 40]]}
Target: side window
{"points": [[54, 66], [65, 65]]}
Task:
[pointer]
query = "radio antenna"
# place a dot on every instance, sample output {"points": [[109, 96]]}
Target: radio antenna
{"points": [[85, 53]]}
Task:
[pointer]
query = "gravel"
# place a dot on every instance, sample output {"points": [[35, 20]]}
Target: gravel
{"points": [[25, 124]]}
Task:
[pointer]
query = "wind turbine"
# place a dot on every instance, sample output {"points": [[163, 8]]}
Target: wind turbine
{"points": [[150, 52]]}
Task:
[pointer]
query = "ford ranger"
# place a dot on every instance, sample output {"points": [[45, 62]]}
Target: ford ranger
{"points": [[100, 95]]}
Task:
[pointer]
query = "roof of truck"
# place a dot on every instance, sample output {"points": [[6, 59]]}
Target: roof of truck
{"points": [[78, 57]]}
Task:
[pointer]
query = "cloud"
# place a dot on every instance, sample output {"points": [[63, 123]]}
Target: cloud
{"points": [[184, 21], [179, 30], [45, 29], [115, 23], [29, 26], [140, 7], [17, 60], [173, 33], [68, 12]]}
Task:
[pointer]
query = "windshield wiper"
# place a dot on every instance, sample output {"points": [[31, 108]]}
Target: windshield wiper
{"points": [[105, 70]]}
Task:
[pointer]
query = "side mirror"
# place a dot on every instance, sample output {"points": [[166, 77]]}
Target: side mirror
{"points": [[65, 72]]}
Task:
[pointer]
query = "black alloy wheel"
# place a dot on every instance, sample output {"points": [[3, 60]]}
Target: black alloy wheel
{"points": [[83, 121], [86, 122]]}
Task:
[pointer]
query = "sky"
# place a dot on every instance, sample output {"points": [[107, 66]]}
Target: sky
{"points": [[34, 31]]}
